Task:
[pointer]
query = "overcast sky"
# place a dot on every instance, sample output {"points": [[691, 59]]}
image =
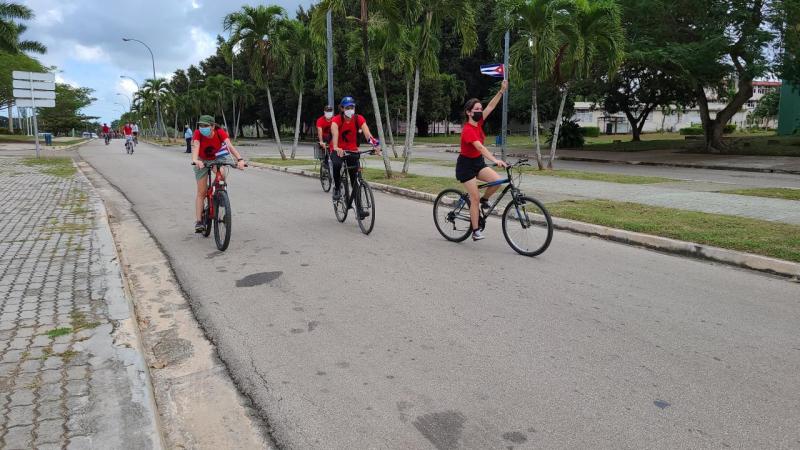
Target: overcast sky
{"points": [[84, 39]]}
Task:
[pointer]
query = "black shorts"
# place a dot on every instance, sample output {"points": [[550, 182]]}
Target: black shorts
{"points": [[468, 168]]}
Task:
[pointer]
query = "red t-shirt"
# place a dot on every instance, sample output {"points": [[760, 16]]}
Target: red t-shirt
{"points": [[348, 133], [127, 130], [105, 129], [469, 134], [213, 146], [325, 124]]}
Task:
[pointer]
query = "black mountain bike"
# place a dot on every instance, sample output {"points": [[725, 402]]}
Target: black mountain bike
{"points": [[325, 178], [527, 225], [362, 194]]}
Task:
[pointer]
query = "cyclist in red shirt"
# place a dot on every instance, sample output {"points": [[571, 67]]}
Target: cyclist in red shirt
{"points": [[127, 131], [106, 133], [324, 131], [470, 166], [209, 143], [344, 131]]}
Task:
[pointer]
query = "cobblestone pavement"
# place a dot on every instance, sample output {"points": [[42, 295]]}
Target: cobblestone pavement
{"points": [[68, 378]]}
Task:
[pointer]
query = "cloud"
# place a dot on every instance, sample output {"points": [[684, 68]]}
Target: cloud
{"points": [[85, 53], [62, 80]]}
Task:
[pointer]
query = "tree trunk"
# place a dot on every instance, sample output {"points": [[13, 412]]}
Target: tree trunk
{"points": [[535, 114], [388, 119], [274, 123], [10, 121], [224, 120], [554, 144], [634, 125], [408, 116], [414, 107], [297, 124], [371, 82]]}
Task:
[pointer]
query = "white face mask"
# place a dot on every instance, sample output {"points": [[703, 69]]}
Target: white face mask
{"points": [[349, 113], [329, 115]]}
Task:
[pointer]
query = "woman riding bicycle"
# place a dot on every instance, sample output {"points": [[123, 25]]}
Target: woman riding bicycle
{"points": [[344, 130], [210, 143], [471, 166]]}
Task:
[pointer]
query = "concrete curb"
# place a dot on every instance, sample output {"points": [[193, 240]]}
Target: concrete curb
{"points": [[700, 251]]}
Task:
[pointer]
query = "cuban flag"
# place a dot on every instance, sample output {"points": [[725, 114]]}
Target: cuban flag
{"points": [[493, 70]]}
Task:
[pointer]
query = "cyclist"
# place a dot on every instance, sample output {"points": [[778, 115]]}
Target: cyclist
{"points": [[470, 166], [344, 131], [127, 131], [135, 130], [106, 133], [324, 131], [209, 143]]}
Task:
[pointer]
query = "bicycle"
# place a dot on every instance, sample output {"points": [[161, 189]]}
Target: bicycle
{"points": [[524, 218], [128, 146], [363, 197], [325, 178], [217, 205], [107, 138]]}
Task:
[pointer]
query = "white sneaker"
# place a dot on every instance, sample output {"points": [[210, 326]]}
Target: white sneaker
{"points": [[477, 235]]}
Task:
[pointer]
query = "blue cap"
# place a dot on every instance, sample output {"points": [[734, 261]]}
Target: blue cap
{"points": [[348, 101]]}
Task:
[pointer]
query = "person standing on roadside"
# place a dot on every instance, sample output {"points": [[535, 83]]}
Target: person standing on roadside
{"points": [[187, 134]]}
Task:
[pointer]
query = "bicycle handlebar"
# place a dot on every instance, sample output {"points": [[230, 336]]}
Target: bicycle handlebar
{"points": [[213, 163]]}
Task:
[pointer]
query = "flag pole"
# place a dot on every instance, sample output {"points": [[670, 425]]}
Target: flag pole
{"points": [[504, 134]]}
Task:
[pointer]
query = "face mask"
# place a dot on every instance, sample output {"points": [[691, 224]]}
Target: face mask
{"points": [[205, 131], [329, 115], [349, 113], [477, 116]]}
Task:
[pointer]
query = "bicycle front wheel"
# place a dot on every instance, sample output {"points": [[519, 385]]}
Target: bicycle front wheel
{"points": [[451, 215], [206, 219], [527, 226], [222, 220], [325, 176], [366, 201], [341, 206]]}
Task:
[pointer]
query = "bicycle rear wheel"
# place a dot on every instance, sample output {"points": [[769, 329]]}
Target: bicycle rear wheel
{"points": [[206, 218], [325, 176], [451, 215], [341, 206], [527, 226], [367, 203], [222, 220]]}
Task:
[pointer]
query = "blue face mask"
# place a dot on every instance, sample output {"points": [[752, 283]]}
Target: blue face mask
{"points": [[205, 131]]}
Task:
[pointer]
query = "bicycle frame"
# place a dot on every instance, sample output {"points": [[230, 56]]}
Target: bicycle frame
{"points": [[216, 185], [515, 192]]}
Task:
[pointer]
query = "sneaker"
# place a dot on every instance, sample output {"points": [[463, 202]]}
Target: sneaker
{"points": [[199, 227], [485, 204], [363, 214], [477, 235], [337, 194]]}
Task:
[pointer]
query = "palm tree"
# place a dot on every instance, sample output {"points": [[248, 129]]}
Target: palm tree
{"points": [[536, 24], [254, 29], [226, 48], [10, 30], [244, 93], [156, 88], [216, 91], [595, 37], [293, 49]]}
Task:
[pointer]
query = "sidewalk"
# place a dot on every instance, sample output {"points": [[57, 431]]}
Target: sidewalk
{"points": [[72, 374]]}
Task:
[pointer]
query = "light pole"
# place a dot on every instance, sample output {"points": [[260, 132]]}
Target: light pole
{"points": [[159, 120], [132, 79], [130, 105]]}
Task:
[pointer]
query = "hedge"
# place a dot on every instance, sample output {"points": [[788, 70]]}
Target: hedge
{"points": [[590, 131]]}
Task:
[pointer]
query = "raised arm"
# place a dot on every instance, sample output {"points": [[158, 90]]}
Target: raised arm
{"points": [[493, 103]]}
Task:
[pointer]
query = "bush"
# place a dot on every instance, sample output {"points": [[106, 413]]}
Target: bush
{"points": [[729, 128], [569, 135], [590, 131], [691, 131]]}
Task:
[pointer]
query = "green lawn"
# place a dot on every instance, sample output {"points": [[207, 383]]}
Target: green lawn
{"points": [[286, 162], [59, 167], [598, 176], [748, 235], [59, 141], [783, 193]]}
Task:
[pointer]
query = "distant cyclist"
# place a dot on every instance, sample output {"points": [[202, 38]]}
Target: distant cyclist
{"points": [[106, 133], [127, 131], [210, 143], [324, 131], [135, 130], [470, 166], [344, 131]]}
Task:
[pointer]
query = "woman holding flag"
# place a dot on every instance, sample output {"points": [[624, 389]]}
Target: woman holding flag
{"points": [[470, 166]]}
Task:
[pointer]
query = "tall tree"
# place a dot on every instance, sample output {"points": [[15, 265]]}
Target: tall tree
{"points": [[67, 113], [294, 50], [10, 29], [254, 29]]}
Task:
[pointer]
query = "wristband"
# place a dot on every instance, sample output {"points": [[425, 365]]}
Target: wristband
{"points": [[240, 159]]}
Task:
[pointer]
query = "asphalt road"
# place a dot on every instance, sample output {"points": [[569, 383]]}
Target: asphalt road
{"points": [[403, 340]]}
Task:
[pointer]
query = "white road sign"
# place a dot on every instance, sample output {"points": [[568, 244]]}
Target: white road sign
{"points": [[35, 76], [28, 103], [27, 94], [38, 85]]}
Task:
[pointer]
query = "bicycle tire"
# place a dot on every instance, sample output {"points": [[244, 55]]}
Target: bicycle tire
{"points": [[367, 204], [341, 206], [325, 176], [222, 220], [533, 220], [452, 220], [206, 218]]}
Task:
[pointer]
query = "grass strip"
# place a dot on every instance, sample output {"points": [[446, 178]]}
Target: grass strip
{"points": [[777, 240], [783, 193], [58, 167], [285, 162]]}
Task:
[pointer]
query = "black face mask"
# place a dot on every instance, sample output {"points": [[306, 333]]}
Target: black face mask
{"points": [[477, 116]]}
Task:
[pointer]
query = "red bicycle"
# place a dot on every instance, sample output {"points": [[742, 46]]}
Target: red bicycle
{"points": [[217, 205]]}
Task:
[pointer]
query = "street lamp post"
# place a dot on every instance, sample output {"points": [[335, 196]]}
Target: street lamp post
{"points": [[159, 120], [132, 79], [130, 105]]}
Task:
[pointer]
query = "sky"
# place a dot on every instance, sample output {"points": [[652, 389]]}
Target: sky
{"points": [[84, 40]]}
